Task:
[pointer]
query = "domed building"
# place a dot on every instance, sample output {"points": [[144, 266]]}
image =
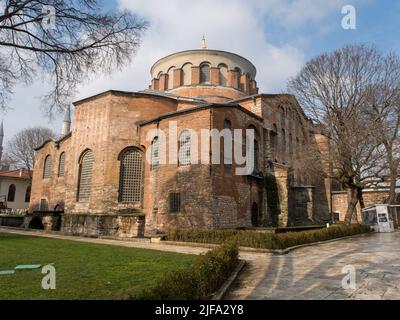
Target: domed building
{"points": [[128, 168]]}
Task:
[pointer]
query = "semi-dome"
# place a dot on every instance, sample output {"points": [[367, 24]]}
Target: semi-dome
{"points": [[212, 75]]}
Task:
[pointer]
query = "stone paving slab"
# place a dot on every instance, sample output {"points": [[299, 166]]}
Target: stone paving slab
{"points": [[315, 273]]}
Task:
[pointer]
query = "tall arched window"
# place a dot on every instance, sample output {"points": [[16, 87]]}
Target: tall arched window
{"points": [[85, 176], [274, 141], [171, 78], [131, 176], [11, 193], [28, 194], [155, 153], [283, 146], [228, 152], [205, 73], [291, 146], [47, 168], [184, 148], [238, 76], [61, 165], [223, 75], [256, 156], [187, 74]]}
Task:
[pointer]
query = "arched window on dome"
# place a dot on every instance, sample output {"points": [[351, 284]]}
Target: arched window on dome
{"points": [[187, 74], [223, 74], [205, 73], [171, 78], [238, 76]]}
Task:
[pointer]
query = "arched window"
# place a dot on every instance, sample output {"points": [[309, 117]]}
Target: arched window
{"points": [[131, 176], [223, 75], [228, 149], [205, 73], [155, 153], [47, 168], [282, 117], [187, 74], [171, 78], [256, 156], [184, 148], [61, 165], [291, 146], [274, 141], [85, 176], [11, 193], [28, 194], [238, 76], [283, 146]]}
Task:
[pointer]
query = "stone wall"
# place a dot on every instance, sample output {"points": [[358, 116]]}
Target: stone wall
{"points": [[371, 197], [93, 225]]}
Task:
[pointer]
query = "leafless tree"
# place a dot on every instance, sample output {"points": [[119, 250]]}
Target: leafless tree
{"points": [[20, 149], [84, 41], [332, 89], [383, 107]]}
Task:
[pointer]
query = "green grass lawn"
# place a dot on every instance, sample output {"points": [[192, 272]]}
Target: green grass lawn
{"points": [[83, 270]]}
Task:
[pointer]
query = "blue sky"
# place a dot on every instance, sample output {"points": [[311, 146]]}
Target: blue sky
{"points": [[278, 36]]}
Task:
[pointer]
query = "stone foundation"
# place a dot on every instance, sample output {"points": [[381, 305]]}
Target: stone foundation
{"points": [[93, 225]]}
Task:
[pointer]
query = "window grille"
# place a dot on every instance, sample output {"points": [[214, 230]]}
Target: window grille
{"points": [[47, 168], [85, 177], [131, 176], [61, 166], [175, 202], [184, 148]]}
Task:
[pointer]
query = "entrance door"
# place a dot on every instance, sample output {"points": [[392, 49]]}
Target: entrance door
{"points": [[254, 215]]}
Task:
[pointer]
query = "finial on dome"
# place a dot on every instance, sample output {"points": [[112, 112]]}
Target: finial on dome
{"points": [[203, 42]]}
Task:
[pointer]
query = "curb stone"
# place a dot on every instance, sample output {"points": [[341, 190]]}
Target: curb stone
{"points": [[219, 295]]}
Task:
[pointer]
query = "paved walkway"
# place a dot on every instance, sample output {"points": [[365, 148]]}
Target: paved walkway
{"points": [[316, 272], [308, 273]]}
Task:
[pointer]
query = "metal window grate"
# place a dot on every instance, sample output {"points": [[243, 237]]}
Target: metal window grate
{"points": [[184, 148], [61, 166], [131, 177], [85, 177], [175, 202], [47, 168]]}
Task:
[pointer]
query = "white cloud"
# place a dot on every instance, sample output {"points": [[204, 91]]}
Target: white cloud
{"points": [[235, 25]]}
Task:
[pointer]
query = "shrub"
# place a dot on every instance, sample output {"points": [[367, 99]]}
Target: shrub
{"points": [[198, 281], [261, 240]]}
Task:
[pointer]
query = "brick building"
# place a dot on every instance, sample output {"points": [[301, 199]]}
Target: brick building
{"points": [[101, 176]]}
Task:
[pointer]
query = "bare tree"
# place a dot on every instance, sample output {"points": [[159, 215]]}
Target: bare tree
{"points": [[383, 107], [82, 40], [332, 89], [21, 148]]}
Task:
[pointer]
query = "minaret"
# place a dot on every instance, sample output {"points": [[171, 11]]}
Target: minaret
{"points": [[66, 128], [1, 142]]}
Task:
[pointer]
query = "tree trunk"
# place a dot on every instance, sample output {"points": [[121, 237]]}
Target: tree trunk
{"points": [[392, 195], [352, 200]]}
